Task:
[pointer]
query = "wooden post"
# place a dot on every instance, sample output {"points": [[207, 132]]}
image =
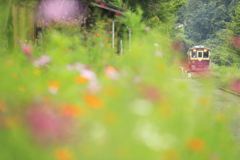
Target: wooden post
{"points": [[23, 24]]}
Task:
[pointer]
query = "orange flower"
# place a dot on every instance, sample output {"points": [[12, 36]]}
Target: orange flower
{"points": [[54, 84], [98, 35], [85, 32], [63, 154], [93, 101], [196, 144], [106, 40], [80, 79], [71, 110], [53, 87], [2, 106]]}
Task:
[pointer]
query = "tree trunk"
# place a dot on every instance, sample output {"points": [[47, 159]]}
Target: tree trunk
{"points": [[5, 8]]}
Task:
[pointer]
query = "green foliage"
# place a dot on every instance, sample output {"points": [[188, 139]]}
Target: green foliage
{"points": [[235, 25], [89, 103]]}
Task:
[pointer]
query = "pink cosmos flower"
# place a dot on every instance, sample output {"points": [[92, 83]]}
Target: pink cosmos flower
{"points": [[27, 49], [43, 60], [147, 28], [235, 86], [87, 73], [111, 72], [47, 126], [151, 93]]}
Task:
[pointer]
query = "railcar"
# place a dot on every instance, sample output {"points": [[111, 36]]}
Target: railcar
{"points": [[199, 58]]}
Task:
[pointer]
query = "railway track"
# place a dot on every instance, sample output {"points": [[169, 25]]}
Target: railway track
{"points": [[206, 74]]}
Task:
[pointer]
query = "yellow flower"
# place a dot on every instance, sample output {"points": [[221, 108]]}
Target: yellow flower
{"points": [[63, 154], [25, 71], [9, 63], [161, 67], [221, 117], [204, 101], [37, 72], [22, 89]]}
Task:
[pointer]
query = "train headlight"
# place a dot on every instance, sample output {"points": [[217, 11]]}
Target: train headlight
{"points": [[205, 50], [194, 50]]}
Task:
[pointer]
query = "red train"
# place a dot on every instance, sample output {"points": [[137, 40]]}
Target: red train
{"points": [[199, 58]]}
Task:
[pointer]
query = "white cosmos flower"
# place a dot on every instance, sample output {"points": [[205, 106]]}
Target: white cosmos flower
{"points": [[98, 132], [149, 135], [141, 107]]}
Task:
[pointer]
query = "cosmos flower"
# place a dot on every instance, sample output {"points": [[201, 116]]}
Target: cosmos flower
{"points": [[26, 48], [235, 86], [93, 101], [87, 75], [41, 61], [111, 72], [63, 154], [46, 125], [196, 144], [53, 87], [151, 93], [147, 28]]}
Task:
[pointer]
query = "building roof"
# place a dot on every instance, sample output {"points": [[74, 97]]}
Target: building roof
{"points": [[109, 7]]}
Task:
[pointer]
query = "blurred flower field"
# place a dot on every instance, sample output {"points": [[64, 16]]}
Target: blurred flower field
{"points": [[69, 99]]}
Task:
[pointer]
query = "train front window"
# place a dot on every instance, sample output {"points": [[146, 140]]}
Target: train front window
{"points": [[194, 55], [205, 55], [200, 54]]}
